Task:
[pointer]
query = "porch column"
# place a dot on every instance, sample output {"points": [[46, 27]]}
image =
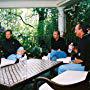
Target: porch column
{"points": [[61, 21]]}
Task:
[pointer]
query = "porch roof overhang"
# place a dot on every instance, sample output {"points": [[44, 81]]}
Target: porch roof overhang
{"points": [[34, 3]]}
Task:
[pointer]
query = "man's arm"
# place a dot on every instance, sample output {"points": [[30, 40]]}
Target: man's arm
{"points": [[63, 45], [14, 47], [75, 49], [77, 61], [18, 43], [21, 52]]}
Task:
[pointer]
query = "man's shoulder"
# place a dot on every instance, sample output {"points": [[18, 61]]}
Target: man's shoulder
{"points": [[3, 40], [85, 40], [61, 38], [15, 40], [52, 39], [87, 37]]}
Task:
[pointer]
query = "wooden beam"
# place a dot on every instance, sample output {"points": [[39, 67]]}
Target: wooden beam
{"points": [[27, 3], [66, 3]]}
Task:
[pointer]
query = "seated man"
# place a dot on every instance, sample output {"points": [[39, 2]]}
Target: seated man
{"points": [[57, 47], [82, 61], [11, 48]]}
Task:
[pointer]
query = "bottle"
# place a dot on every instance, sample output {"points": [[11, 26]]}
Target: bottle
{"points": [[48, 56], [23, 58], [70, 48]]}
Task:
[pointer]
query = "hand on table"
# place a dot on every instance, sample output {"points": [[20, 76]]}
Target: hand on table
{"points": [[21, 52]]}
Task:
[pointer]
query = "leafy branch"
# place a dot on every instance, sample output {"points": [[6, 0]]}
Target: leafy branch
{"points": [[22, 19]]}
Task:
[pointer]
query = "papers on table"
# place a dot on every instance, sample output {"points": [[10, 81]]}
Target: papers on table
{"points": [[65, 60], [5, 62], [67, 78], [45, 58]]}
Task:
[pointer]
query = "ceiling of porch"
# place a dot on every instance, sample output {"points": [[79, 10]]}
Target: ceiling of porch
{"points": [[32, 3]]}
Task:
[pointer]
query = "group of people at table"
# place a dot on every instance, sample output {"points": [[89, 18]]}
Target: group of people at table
{"points": [[81, 57], [13, 50]]}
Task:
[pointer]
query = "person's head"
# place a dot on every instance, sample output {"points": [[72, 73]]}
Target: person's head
{"points": [[56, 34], [80, 30], [8, 34]]}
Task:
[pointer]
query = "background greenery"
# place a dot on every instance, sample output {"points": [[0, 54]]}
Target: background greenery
{"points": [[33, 27]]}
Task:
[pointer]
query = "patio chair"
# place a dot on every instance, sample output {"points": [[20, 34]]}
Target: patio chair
{"points": [[53, 85]]}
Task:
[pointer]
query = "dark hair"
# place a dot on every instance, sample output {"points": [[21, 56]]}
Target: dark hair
{"points": [[84, 27], [57, 32], [8, 31]]}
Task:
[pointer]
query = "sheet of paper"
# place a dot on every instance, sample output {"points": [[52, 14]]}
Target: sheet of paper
{"points": [[65, 60], [5, 62]]}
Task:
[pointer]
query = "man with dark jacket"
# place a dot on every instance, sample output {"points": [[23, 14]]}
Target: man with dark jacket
{"points": [[82, 60], [11, 47], [58, 47]]}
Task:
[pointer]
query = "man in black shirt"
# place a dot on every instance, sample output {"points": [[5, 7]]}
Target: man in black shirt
{"points": [[57, 43], [82, 61], [84, 51], [11, 48], [57, 46]]}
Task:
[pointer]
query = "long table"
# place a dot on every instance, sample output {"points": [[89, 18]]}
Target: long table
{"points": [[22, 72]]}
